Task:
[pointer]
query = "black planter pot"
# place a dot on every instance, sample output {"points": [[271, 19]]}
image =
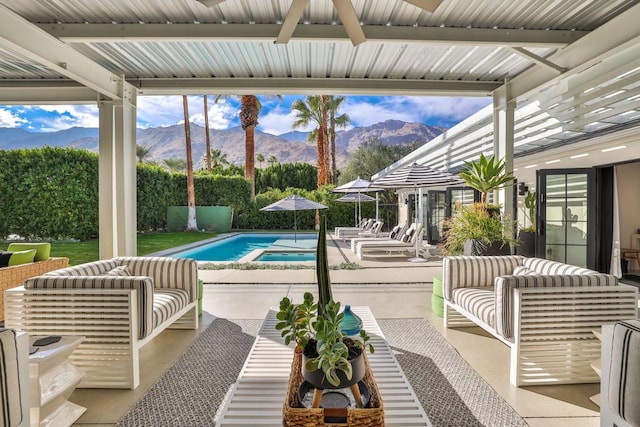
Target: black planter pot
{"points": [[318, 380], [526, 243], [474, 247]]}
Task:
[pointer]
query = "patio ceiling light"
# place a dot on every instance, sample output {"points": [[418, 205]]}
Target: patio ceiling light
{"points": [[619, 147]]}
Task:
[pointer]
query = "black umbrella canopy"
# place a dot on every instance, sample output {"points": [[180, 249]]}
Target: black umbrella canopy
{"points": [[417, 176]]}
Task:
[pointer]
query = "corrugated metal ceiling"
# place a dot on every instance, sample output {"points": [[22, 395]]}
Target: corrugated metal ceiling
{"points": [[607, 98]]}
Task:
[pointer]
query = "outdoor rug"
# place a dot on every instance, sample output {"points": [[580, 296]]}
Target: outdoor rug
{"points": [[190, 393]]}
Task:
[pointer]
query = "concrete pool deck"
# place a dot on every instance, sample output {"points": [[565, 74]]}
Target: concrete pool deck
{"points": [[378, 271]]}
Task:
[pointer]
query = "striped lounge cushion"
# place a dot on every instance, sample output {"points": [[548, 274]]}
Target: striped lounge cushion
{"points": [[11, 408], [475, 271], [166, 303], [545, 266], [167, 273], [478, 301], [624, 379], [95, 268]]}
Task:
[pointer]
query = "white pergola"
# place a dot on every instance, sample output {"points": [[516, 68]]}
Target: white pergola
{"points": [[556, 71]]}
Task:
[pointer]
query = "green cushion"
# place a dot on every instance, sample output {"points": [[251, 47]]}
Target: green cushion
{"points": [[437, 305], [437, 285], [22, 257], [42, 249]]}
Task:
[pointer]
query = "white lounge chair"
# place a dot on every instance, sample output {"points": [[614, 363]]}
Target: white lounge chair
{"points": [[341, 232], [373, 231], [395, 234], [391, 248]]}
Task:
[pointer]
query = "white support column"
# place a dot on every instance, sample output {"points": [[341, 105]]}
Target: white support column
{"points": [[503, 132], [117, 180], [125, 172], [107, 203]]}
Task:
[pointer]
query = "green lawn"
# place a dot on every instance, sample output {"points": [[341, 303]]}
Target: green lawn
{"points": [[81, 252]]}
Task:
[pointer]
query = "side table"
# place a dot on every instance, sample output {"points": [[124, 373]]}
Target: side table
{"points": [[52, 379]]}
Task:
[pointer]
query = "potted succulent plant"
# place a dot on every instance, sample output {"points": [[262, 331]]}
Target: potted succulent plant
{"points": [[331, 358], [480, 229]]}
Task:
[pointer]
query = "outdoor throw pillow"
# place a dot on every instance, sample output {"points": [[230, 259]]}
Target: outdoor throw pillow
{"points": [[118, 271], [42, 249], [22, 257], [521, 270], [4, 258]]}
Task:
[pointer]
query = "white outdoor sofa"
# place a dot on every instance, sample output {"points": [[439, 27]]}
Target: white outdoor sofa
{"points": [[118, 305], [545, 311]]}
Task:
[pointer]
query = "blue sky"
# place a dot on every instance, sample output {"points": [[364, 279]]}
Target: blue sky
{"points": [[276, 116]]}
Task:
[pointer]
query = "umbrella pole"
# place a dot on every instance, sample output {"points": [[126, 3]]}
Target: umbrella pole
{"points": [[295, 226], [417, 258]]}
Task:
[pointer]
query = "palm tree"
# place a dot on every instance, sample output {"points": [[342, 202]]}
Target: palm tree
{"points": [[314, 110], [260, 159], [175, 164], [192, 225], [249, 112], [218, 158], [142, 153], [207, 136], [335, 121], [272, 160]]}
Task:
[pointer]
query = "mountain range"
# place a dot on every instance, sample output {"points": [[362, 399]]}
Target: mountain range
{"points": [[168, 142]]}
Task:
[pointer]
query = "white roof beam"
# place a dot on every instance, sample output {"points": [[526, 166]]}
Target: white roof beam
{"points": [[41, 92], [311, 86], [26, 39], [538, 59], [611, 38], [108, 33]]}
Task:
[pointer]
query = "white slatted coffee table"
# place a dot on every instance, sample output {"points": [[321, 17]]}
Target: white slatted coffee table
{"points": [[259, 393]]}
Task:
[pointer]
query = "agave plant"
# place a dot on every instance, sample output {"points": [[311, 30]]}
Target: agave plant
{"points": [[486, 174]]}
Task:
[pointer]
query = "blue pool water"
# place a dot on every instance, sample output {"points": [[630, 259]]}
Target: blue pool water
{"points": [[287, 256], [235, 247]]}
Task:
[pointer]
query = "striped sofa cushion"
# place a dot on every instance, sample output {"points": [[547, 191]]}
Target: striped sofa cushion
{"points": [[11, 408], [168, 302], [545, 266], [142, 285], [478, 301], [95, 268], [167, 273], [475, 271], [624, 379], [506, 284]]}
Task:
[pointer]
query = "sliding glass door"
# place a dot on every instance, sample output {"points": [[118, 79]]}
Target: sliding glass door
{"points": [[566, 216]]}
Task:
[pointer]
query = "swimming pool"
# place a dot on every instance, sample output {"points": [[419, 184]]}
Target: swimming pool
{"points": [[241, 245], [287, 256]]}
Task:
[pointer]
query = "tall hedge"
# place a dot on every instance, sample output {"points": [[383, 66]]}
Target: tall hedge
{"points": [[49, 193], [52, 193], [281, 176]]}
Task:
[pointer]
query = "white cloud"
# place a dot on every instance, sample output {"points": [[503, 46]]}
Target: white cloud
{"points": [[154, 111], [451, 109], [279, 121], [10, 120], [59, 117]]}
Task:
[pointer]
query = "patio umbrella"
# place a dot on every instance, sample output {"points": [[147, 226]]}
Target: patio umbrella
{"points": [[418, 177], [358, 186], [294, 203], [355, 198]]}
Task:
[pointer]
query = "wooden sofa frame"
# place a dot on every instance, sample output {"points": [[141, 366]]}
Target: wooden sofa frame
{"points": [[552, 338], [107, 318]]}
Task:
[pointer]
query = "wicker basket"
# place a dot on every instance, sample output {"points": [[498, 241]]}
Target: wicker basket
{"points": [[11, 277], [295, 416]]}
